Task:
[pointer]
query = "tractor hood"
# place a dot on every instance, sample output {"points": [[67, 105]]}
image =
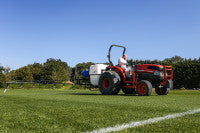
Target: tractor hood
{"points": [[148, 68]]}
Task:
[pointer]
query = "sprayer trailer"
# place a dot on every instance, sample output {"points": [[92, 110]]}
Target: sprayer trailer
{"points": [[141, 79]]}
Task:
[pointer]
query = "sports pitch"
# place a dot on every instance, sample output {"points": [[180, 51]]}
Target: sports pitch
{"points": [[54, 110]]}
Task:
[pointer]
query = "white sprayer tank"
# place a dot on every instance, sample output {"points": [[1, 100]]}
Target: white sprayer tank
{"points": [[95, 73]]}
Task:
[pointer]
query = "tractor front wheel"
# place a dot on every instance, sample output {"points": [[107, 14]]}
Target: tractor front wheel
{"points": [[164, 90], [144, 88]]}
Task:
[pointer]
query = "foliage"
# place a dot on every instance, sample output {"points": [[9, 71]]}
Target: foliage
{"points": [[4, 75], [23, 73], [55, 69], [187, 74], [40, 86], [174, 60], [37, 71], [52, 69]]}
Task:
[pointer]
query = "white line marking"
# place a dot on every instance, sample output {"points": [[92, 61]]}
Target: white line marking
{"points": [[144, 122]]}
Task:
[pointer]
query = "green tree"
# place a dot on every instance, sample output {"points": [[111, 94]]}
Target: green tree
{"points": [[37, 71], [173, 60], [23, 73], [55, 69], [2, 77]]}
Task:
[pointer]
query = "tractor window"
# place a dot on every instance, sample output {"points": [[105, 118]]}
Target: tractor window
{"points": [[116, 53]]}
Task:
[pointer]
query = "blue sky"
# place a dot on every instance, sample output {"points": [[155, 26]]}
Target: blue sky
{"points": [[82, 30]]}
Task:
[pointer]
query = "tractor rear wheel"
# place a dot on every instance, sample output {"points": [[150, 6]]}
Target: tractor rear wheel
{"points": [[129, 90], [144, 88], [109, 83]]}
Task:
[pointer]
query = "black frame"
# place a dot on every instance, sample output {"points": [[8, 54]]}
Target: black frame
{"points": [[111, 63]]}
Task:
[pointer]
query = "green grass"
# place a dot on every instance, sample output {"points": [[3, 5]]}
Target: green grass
{"points": [[187, 124], [58, 110]]}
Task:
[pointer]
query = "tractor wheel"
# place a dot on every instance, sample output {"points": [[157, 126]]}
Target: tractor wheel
{"points": [[158, 90], [144, 88], [129, 90], [109, 83], [170, 84], [164, 90]]}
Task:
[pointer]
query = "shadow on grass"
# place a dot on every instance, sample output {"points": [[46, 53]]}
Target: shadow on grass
{"points": [[101, 94], [97, 94], [67, 93], [93, 94]]}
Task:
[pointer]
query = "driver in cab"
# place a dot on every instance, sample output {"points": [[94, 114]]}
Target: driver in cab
{"points": [[122, 62]]}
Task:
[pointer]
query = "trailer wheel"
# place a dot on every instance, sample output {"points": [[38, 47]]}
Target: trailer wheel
{"points": [[129, 90], [109, 83], [144, 88]]}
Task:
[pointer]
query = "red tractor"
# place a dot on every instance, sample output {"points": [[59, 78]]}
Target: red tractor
{"points": [[142, 78]]}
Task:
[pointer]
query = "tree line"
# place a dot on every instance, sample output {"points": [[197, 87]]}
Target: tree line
{"points": [[51, 70], [186, 71]]}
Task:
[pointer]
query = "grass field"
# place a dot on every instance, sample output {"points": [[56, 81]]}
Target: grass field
{"points": [[54, 110]]}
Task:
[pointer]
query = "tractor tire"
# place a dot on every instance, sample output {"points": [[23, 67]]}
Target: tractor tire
{"points": [[170, 84], [144, 88], [158, 90], [164, 90], [129, 90], [109, 83]]}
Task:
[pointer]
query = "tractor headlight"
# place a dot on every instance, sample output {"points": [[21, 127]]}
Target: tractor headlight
{"points": [[159, 73]]}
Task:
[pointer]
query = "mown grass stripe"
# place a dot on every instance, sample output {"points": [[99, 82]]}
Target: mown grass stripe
{"points": [[144, 122]]}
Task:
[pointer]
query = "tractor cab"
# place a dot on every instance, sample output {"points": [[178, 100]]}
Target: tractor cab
{"points": [[130, 69], [123, 53]]}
